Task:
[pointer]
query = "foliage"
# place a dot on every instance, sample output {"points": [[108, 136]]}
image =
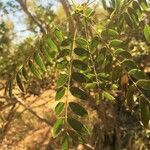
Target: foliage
{"points": [[103, 62]]}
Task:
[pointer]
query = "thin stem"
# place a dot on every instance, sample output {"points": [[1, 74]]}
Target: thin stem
{"points": [[69, 75]]}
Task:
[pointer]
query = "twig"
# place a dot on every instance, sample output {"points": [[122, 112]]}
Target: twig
{"points": [[32, 112]]}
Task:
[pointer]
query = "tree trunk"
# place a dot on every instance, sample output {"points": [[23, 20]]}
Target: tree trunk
{"points": [[67, 7]]}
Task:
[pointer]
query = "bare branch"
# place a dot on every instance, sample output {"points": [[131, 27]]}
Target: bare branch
{"points": [[23, 5], [33, 112], [67, 7]]}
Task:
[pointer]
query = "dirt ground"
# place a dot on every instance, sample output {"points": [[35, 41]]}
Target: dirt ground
{"points": [[25, 131]]}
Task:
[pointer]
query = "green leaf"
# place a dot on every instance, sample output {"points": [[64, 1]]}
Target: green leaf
{"points": [[79, 64], [116, 43], [129, 96], [94, 43], [137, 8], [59, 34], [123, 53], [91, 85], [133, 15], [129, 64], [120, 23], [116, 73], [103, 76], [34, 70], [81, 51], [63, 78], [24, 73], [64, 141], [137, 74], [57, 127], [117, 4], [19, 82], [47, 55], [101, 57], [77, 109], [51, 44], [63, 53], [59, 108], [77, 126], [109, 32], [81, 41], [128, 20], [147, 33], [79, 93], [143, 4], [63, 64], [89, 12], [79, 77], [108, 96], [143, 84], [104, 4], [60, 93], [145, 111], [39, 61], [66, 42]]}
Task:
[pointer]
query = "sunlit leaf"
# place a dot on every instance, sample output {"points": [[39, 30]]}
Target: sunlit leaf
{"points": [[147, 33], [103, 76], [60, 93], [89, 11], [116, 43], [143, 4], [108, 96], [63, 78], [46, 55], [109, 32], [59, 34], [57, 127], [51, 44], [64, 141], [39, 61], [59, 108], [81, 41], [34, 70]]}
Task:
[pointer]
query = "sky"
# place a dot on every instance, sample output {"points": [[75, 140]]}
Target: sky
{"points": [[18, 18]]}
